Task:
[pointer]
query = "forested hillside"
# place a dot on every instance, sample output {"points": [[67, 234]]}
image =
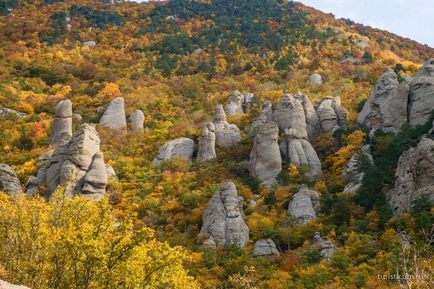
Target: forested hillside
{"points": [[120, 169]]}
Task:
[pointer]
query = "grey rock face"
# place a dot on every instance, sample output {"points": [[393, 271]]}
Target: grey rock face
{"points": [[76, 117], [5, 112], [62, 124], [177, 148], [312, 120], [223, 219], [421, 99], [289, 113], [77, 165], [207, 143], [136, 120], [265, 116], [114, 116], [6, 285], [316, 78], [386, 107], [9, 182], [352, 172], [265, 159], [304, 205], [265, 247], [111, 173], [227, 135], [301, 153], [331, 114], [325, 247], [414, 176], [235, 103]]}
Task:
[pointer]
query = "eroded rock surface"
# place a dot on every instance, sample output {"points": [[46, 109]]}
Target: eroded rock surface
{"points": [[353, 171], [227, 134], [62, 124], [114, 116], [266, 115], [326, 248], [136, 120], [206, 149], [421, 98], [289, 113], [304, 205], [9, 182], [265, 247], [312, 120], [178, 148], [235, 103], [331, 114]]}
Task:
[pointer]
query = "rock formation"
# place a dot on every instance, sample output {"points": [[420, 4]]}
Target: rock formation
{"points": [[386, 107], [223, 219], [414, 176], [304, 205], [6, 112], [301, 153], [331, 115], [111, 173], [316, 78], [265, 247], [421, 97], [6, 285], [114, 116], [235, 103], [266, 115], [9, 182], [312, 121], [353, 173], [326, 248], [136, 120], [265, 159], [177, 148], [289, 113], [77, 165], [206, 149], [62, 124], [227, 135]]}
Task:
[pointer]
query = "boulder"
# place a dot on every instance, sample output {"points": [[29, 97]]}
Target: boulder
{"points": [[304, 205], [301, 153], [62, 124], [235, 103], [177, 148], [6, 112], [353, 173], [227, 135], [386, 107], [266, 115], [414, 176], [76, 118], [265, 159], [265, 247], [136, 120], [289, 113], [9, 182], [95, 181], [421, 97], [326, 248], [331, 115], [6, 285], [315, 78], [223, 218], [206, 149], [312, 121], [114, 116]]}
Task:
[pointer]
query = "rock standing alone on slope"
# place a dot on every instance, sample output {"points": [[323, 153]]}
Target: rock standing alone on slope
{"points": [[9, 182], [178, 148], [114, 116], [62, 124], [206, 149], [304, 205]]}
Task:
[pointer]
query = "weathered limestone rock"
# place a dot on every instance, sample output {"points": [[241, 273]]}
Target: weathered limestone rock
{"points": [[206, 149], [114, 116], [96, 178], [304, 205], [62, 124], [316, 78], [223, 219], [331, 114], [312, 121], [421, 98], [326, 248], [289, 113], [9, 182], [414, 176], [136, 120], [265, 116], [5, 112], [301, 153], [265, 247], [386, 107], [6, 285], [352, 172], [227, 135], [178, 148], [265, 159], [235, 103]]}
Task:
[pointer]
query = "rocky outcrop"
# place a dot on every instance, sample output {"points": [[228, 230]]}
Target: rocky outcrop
{"points": [[265, 159], [177, 148], [136, 120], [6, 285], [301, 153], [6, 112], [77, 165], [9, 182], [227, 135], [304, 205], [235, 103], [62, 124], [421, 97], [386, 107], [265, 247], [331, 114], [289, 113], [223, 219], [266, 115], [206, 149], [114, 116], [312, 121], [414, 176], [326, 248], [353, 172], [315, 78]]}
